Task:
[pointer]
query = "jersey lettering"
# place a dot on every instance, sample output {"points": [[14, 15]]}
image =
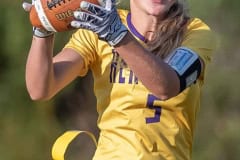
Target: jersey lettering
{"points": [[119, 71]]}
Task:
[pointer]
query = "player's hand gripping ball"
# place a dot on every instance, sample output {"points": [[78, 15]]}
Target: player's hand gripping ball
{"points": [[55, 15], [102, 20]]}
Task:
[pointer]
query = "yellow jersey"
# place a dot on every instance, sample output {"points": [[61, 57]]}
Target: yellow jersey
{"points": [[133, 123]]}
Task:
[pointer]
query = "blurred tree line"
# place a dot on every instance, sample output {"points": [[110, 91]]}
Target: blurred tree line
{"points": [[29, 129]]}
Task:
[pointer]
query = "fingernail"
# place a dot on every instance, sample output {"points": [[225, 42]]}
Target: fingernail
{"points": [[26, 6], [76, 15], [74, 24], [84, 5]]}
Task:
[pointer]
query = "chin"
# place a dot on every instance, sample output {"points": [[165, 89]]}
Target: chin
{"points": [[157, 11]]}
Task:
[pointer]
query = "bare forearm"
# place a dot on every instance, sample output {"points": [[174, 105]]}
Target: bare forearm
{"points": [[156, 75], [39, 67]]}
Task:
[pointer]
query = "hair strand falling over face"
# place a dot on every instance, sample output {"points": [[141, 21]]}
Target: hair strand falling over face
{"points": [[170, 32]]}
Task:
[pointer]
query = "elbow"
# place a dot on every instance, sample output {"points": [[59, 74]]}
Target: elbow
{"points": [[166, 93], [37, 95], [39, 92], [164, 96]]}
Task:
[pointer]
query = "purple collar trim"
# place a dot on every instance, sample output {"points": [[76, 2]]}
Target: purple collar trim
{"points": [[133, 29]]}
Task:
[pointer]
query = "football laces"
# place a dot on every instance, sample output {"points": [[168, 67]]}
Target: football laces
{"points": [[55, 3]]}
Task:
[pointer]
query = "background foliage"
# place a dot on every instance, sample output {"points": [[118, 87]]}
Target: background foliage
{"points": [[28, 129]]}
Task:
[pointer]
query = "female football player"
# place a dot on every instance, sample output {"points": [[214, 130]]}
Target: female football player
{"points": [[148, 65]]}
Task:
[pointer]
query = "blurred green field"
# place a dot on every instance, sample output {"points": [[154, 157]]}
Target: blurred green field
{"points": [[28, 129]]}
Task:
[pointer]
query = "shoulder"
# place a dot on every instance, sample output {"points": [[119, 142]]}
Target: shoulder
{"points": [[123, 12], [197, 24], [199, 30], [123, 15], [201, 39], [199, 35], [83, 37], [83, 41]]}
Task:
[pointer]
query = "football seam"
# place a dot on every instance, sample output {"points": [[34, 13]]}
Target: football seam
{"points": [[42, 16]]}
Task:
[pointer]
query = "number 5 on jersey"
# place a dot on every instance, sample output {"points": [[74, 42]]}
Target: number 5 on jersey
{"points": [[150, 104]]}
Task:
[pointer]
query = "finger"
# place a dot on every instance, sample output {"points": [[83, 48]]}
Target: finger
{"points": [[86, 17], [82, 25], [92, 8], [109, 4], [26, 6]]}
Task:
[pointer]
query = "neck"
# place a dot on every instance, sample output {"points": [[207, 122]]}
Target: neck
{"points": [[145, 24]]}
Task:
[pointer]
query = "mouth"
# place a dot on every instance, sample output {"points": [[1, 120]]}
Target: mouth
{"points": [[156, 1], [159, 1]]}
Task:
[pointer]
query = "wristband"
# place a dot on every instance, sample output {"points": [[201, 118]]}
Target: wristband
{"points": [[41, 33]]}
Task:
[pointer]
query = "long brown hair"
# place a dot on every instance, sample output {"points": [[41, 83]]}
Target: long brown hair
{"points": [[170, 32]]}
